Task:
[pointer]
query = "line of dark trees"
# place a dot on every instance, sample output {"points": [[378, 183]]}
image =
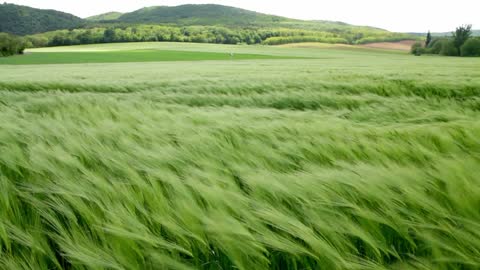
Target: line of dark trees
{"points": [[11, 45], [461, 43]]}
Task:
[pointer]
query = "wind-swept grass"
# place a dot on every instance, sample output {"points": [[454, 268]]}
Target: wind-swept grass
{"points": [[125, 56], [241, 165]]}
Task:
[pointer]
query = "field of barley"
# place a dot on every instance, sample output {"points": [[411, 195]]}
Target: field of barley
{"points": [[197, 156]]}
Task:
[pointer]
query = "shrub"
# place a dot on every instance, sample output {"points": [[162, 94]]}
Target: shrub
{"points": [[448, 48], [471, 47], [436, 45], [417, 49]]}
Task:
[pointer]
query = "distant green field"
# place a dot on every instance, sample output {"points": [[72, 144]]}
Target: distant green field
{"points": [[308, 158], [125, 56]]}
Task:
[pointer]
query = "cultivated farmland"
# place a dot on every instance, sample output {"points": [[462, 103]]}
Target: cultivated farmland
{"points": [[238, 157]]}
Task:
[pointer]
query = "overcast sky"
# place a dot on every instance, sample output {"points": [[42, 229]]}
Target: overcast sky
{"points": [[400, 15]]}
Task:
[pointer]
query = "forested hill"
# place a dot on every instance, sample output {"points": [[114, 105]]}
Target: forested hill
{"points": [[206, 23], [23, 20], [207, 14], [219, 15], [284, 30]]}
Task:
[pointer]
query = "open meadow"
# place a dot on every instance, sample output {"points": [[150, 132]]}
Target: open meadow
{"points": [[197, 156]]}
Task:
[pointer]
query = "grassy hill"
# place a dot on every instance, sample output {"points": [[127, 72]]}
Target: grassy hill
{"points": [[105, 16], [23, 20]]}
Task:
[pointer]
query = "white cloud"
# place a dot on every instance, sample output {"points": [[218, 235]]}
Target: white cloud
{"points": [[403, 16]]}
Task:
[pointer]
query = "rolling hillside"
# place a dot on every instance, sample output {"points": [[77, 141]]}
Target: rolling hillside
{"points": [[205, 23], [290, 30], [23, 20], [219, 15], [105, 16]]}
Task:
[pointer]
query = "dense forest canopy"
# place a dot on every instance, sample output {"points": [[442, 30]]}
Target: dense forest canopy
{"points": [[207, 14], [22, 20]]}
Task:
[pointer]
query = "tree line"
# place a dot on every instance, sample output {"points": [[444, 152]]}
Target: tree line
{"points": [[202, 34], [11, 45], [461, 43]]}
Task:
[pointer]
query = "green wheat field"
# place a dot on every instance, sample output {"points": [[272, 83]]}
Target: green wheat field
{"points": [[196, 156]]}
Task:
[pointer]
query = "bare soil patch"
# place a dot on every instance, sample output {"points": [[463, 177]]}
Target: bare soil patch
{"points": [[403, 45]]}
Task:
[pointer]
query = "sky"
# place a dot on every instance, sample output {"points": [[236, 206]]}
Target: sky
{"points": [[398, 16]]}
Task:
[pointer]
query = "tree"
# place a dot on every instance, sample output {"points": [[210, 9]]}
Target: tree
{"points": [[471, 47], [109, 35], [429, 39], [461, 35]]}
